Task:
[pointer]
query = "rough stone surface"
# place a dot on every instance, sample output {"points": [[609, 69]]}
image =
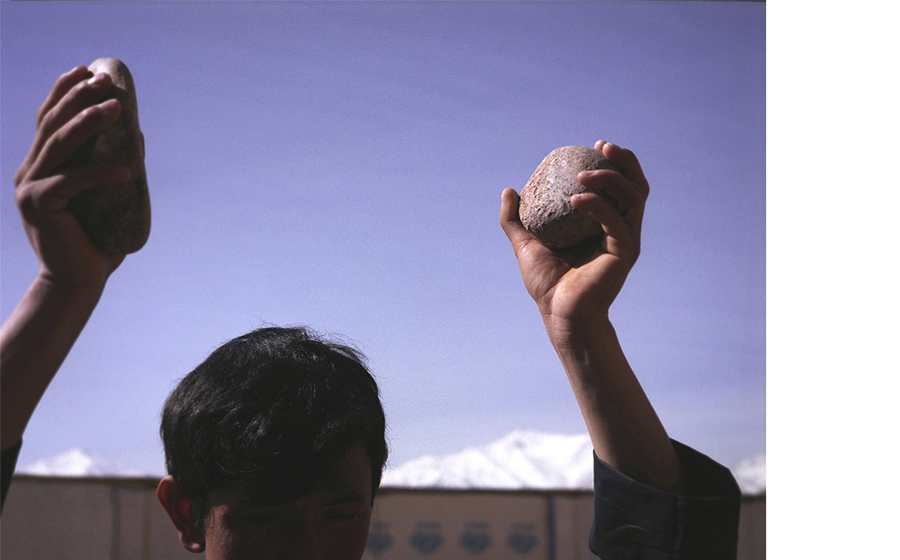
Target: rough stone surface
{"points": [[544, 204], [116, 218]]}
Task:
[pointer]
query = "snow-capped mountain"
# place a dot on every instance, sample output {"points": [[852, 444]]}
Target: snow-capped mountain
{"points": [[529, 460], [76, 462], [751, 475], [523, 459]]}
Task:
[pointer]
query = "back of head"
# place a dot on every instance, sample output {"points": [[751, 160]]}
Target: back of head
{"points": [[269, 412]]}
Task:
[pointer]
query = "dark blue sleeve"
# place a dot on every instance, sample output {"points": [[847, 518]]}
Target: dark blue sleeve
{"points": [[633, 521], [8, 458]]}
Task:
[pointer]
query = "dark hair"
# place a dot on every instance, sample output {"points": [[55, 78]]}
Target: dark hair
{"points": [[269, 412]]}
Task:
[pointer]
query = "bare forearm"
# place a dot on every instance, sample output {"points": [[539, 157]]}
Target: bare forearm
{"points": [[34, 342], [625, 430]]}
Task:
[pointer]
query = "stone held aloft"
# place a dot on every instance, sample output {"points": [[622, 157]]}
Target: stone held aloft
{"points": [[545, 208], [116, 218]]}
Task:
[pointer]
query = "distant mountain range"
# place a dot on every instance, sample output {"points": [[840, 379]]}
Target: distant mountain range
{"points": [[77, 462], [530, 460], [520, 461]]}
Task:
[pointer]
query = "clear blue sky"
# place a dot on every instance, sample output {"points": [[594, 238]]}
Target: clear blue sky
{"points": [[339, 165]]}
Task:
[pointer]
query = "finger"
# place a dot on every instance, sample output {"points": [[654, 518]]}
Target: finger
{"points": [[624, 160], [509, 219], [615, 185], [73, 135], [630, 198], [621, 240], [79, 97], [63, 104], [601, 210], [62, 86], [53, 194]]}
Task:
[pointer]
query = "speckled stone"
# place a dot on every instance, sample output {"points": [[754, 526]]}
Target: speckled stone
{"points": [[116, 218], [544, 204]]}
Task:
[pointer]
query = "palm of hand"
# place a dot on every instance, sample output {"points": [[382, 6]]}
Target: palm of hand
{"points": [[579, 283]]}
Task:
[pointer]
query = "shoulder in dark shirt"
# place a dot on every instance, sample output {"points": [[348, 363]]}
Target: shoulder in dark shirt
{"points": [[637, 522], [8, 458]]}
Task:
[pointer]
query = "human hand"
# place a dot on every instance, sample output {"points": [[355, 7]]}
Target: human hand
{"points": [[581, 283], [45, 183]]}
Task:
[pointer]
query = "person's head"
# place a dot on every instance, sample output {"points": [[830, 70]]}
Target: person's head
{"points": [[274, 446]]}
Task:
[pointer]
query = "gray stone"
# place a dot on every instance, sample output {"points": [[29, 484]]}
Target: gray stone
{"points": [[116, 218], [544, 204]]}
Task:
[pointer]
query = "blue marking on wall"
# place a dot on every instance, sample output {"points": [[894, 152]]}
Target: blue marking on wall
{"points": [[427, 538], [522, 539], [475, 538]]}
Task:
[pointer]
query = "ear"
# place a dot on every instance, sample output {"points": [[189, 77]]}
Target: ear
{"points": [[179, 507]]}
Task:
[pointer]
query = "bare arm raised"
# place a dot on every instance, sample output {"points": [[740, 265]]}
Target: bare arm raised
{"points": [[574, 290], [37, 336]]}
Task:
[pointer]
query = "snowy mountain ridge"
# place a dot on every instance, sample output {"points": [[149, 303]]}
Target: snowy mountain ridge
{"points": [[530, 460], [77, 462], [523, 460]]}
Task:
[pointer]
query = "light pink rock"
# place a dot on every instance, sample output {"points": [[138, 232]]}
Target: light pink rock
{"points": [[544, 204]]}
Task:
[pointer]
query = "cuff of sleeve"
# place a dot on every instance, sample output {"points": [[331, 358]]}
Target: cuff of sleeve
{"points": [[8, 458], [636, 521]]}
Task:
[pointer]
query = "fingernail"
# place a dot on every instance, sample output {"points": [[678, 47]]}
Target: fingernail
{"points": [[97, 77], [107, 106]]}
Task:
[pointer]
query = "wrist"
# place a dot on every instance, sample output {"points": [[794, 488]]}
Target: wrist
{"points": [[567, 331], [51, 287], [588, 349], [567, 311]]}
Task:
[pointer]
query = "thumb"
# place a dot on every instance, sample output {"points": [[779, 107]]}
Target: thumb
{"points": [[509, 219]]}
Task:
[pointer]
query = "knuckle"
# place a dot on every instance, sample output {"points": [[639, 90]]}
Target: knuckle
{"points": [[25, 202], [54, 142], [20, 196], [21, 172], [87, 90], [86, 121], [85, 114], [45, 122]]}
